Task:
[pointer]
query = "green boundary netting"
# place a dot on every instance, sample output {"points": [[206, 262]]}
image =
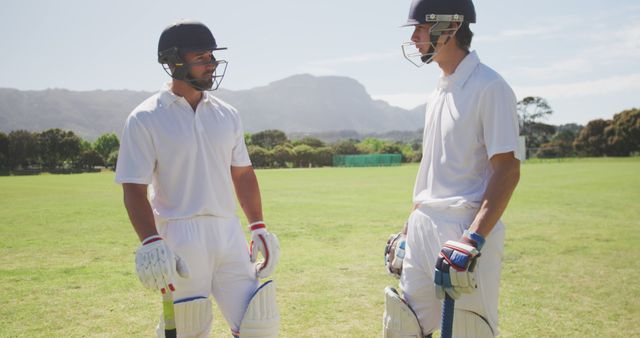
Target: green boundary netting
{"points": [[369, 160]]}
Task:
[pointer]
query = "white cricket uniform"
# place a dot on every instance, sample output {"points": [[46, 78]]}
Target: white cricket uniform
{"points": [[470, 117], [186, 156]]}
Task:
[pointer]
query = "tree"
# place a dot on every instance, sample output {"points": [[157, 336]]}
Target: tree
{"points": [[106, 144], [57, 146], [23, 149], [70, 146], [4, 151], [539, 134], [323, 156], [555, 148], [282, 155], [89, 159], [50, 146], [531, 109], [304, 155], [623, 134], [112, 160], [346, 147], [260, 157], [85, 145], [268, 139], [310, 141], [592, 140], [370, 145]]}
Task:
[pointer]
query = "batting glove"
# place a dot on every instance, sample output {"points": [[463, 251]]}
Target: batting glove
{"points": [[454, 273], [266, 244], [157, 266], [394, 254]]}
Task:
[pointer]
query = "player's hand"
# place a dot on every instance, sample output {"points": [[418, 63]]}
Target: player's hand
{"points": [[157, 266], [455, 267], [266, 244], [394, 254]]}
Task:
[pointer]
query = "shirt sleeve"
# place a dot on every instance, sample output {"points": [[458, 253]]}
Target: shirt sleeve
{"points": [[240, 154], [137, 156], [499, 119]]}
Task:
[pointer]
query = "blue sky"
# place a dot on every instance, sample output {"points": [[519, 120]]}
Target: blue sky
{"points": [[582, 56]]}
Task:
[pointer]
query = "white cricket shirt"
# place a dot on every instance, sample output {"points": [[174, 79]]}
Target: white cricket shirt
{"points": [[186, 156], [470, 117]]}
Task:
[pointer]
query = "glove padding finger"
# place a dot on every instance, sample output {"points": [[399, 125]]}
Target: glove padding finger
{"points": [[268, 245], [157, 266]]}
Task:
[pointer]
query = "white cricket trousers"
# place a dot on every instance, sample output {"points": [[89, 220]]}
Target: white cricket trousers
{"points": [[217, 255], [428, 229]]}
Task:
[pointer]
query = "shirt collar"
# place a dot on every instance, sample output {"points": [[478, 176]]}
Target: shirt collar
{"points": [[462, 72], [167, 97]]}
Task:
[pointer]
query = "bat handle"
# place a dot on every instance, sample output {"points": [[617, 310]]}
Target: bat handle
{"points": [[447, 316], [168, 315]]}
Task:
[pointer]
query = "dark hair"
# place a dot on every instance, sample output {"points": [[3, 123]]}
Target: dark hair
{"points": [[464, 36]]}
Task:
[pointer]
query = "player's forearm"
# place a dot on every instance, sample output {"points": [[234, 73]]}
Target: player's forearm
{"points": [[496, 198], [248, 193], [139, 210]]}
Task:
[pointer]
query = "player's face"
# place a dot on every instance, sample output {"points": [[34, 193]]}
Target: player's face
{"points": [[421, 38], [202, 65]]}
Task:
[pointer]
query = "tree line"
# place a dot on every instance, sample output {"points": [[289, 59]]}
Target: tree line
{"points": [[619, 136], [59, 150], [55, 150], [273, 149]]}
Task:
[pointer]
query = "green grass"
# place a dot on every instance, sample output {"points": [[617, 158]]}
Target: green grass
{"points": [[570, 267]]}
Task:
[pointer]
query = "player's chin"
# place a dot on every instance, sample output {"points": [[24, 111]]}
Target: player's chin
{"points": [[206, 84]]}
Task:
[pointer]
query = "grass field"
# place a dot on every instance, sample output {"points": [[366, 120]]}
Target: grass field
{"points": [[570, 269]]}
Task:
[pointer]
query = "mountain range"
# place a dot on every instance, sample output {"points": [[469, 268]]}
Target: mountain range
{"points": [[300, 104]]}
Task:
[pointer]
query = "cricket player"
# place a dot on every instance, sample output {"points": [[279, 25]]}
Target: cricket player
{"points": [[469, 169], [188, 147]]}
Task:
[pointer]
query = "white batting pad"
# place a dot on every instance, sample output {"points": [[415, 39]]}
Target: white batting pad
{"points": [[467, 324], [193, 319], [398, 320], [261, 318]]}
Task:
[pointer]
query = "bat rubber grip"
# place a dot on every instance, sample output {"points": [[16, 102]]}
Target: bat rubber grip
{"points": [[447, 317]]}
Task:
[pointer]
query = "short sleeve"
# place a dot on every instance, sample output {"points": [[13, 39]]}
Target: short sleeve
{"points": [[499, 119], [137, 156], [240, 154]]}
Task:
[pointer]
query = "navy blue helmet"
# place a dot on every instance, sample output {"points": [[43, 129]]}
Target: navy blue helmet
{"points": [[424, 11], [445, 18], [183, 37]]}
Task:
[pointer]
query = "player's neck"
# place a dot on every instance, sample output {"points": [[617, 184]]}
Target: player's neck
{"points": [[450, 58], [182, 89]]}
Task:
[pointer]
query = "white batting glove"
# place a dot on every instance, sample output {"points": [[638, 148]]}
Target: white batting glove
{"points": [[394, 253], [267, 244], [456, 265], [157, 266]]}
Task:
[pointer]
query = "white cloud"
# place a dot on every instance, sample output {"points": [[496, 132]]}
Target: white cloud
{"points": [[599, 87], [403, 100]]}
